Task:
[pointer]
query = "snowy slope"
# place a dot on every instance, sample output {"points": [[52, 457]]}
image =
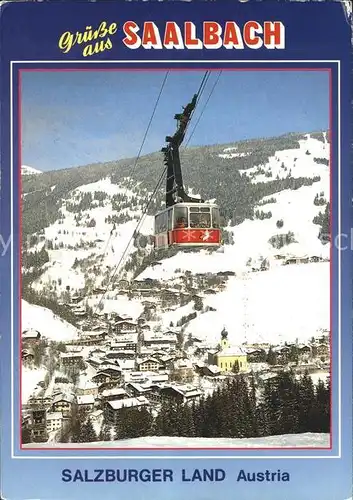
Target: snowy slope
{"points": [[46, 322], [30, 378], [282, 304], [103, 244], [299, 162], [26, 170], [288, 440]]}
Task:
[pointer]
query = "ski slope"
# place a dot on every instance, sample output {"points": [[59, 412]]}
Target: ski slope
{"points": [[47, 323]]}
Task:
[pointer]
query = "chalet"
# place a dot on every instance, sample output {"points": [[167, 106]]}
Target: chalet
{"points": [[135, 389], [111, 384], [210, 291], [156, 378], [95, 362], [39, 402], [179, 393], [211, 371], [113, 394], [112, 408], [296, 260], [160, 341], [87, 388], [86, 402], [63, 403], [125, 326], [126, 364], [145, 327], [134, 376], [31, 336], [183, 368], [148, 364], [93, 337], [126, 345], [125, 342], [54, 421], [121, 317], [108, 375], [71, 358]]}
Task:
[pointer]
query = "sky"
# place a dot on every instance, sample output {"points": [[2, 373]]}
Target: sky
{"points": [[72, 118]]}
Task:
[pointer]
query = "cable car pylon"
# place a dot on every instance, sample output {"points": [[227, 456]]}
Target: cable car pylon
{"points": [[186, 221]]}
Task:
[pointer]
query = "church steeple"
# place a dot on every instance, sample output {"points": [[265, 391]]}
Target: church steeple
{"points": [[224, 339]]}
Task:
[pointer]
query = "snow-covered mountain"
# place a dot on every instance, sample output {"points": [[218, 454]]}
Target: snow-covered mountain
{"points": [[79, 224], [26, 170]]}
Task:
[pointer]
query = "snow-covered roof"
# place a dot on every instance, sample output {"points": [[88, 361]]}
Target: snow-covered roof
{"points": [[87, 399], [95, 333], [87, 384], [146, 360], [232, 351], [31, 333], [157, 337], [185, 390], [55, 415], [126, 364], [64, 397], [70, 355], [127, 337], [96, 414], [128, 403], [116, 391], [213, 368]]}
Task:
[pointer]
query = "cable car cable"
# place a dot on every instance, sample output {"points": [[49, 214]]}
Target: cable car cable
{"points": [[116, 268], [113, 274], [203, 109], [141, 147]]}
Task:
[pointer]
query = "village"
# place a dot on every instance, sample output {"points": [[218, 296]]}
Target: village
{"points": [[119, 363]]}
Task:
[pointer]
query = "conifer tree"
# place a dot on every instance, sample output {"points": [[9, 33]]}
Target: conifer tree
{"points": [[305, 403], [88, 434]]}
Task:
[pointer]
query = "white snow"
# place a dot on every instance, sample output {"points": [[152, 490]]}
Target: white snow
{"points": [[283, 441], [30, 379], [46, 323], [26, 170], [294, 161], [283, 304]]}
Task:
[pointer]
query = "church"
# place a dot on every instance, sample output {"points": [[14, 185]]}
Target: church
{"points": [[228, 358]]}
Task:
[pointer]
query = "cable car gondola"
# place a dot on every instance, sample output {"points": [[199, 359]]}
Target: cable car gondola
{"points": [[186, 221]]}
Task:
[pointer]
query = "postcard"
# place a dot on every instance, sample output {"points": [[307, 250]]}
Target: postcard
{"points": [[176, 214]]}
